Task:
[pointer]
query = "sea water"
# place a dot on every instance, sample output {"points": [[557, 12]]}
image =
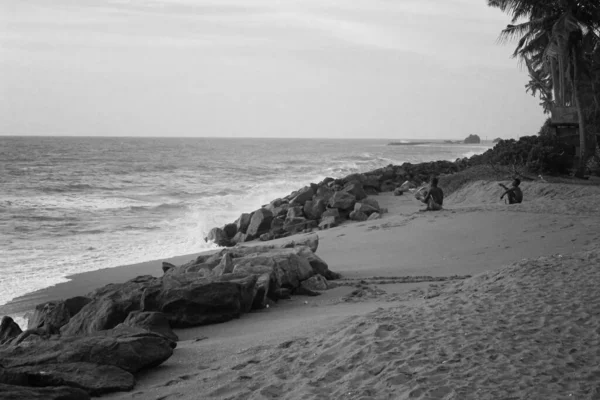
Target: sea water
{"points": [[74, 204]]}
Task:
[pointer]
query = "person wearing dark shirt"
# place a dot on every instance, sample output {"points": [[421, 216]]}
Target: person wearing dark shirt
{"points": [[434, 197], [514, 193]]}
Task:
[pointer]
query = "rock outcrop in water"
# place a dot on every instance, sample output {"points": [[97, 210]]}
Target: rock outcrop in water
{"points": [[95, 344], [473, 139], [326, 204]]}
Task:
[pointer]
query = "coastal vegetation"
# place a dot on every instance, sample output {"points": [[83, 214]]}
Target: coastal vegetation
{"points": [[559, 43]]}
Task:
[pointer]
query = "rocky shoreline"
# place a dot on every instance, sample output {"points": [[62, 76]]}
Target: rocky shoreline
{"points": [[328, 203], [94, 344]]}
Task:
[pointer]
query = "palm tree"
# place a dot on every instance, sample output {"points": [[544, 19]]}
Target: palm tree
{"points": [[552, 36]]}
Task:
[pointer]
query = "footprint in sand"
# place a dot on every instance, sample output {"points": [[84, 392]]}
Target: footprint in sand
{"points": [[272, 391], [179, 379]]}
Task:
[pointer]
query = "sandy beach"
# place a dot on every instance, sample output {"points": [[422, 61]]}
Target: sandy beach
{"points": [[524, 326]]}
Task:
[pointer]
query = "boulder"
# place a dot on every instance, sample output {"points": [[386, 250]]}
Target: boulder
{"points": [[277, 224], [355, 189], [239, 238], [365, 208], [230, 230], [49, 316], [398, 192], [265, 237], [260, 222], [131, 354], [371, 182], [342, 200], [371, 202], [166, 266], [282, 294], [224, 267], [92, 378], [295, 225], [325, 181], [324, 193], [110, 306], [331, 212], [280, 210], [288, 269], [374, 216], [192, 299], [295, 212], [303, 195], [358, 216], [218, 237], [314, 209], [327, 223], [243, 222], [317, 264], [388, 186], [311, 241], [210, 258], [263, 286], [315, 282], [14, 392], [75, 304], [9, 330], [247, 285], [151, 321]]}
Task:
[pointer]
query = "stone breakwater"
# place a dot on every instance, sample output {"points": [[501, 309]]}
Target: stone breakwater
{"points": [[90, 345], [327, 203]]}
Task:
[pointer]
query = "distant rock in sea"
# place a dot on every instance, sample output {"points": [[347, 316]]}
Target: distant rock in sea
{"points": [[473, 139]]}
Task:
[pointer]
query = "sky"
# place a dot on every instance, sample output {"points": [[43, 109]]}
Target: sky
{"points": [[401, 69]]}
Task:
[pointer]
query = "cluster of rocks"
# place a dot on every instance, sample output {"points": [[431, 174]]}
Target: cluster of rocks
{"points": [[94, 344], [326, 204]]}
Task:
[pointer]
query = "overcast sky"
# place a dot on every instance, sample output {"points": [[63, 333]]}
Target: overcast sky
{"points": [[260, 68]]}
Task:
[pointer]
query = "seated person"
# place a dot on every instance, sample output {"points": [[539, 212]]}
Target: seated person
{"points": [[514, 193], [434, 197]]}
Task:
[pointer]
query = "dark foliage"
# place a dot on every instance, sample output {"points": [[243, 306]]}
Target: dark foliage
{"points": [[543, 153]]}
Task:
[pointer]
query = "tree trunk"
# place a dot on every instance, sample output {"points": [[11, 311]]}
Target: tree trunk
{"points": [[558, 100], [583, 153]]}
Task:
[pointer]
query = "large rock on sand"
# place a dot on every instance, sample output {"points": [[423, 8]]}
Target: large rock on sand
{"points": [[110, 306], [342, 200], [316, 282], [356, 189], [151, 321], [314, 209], [93, 378], [219, 237], [243, 222], [358, 216], [97, 364], [9, 330], [49, 316], [260, 223], [14, 392], [131, 354], [302, 196], [367, 206], [286, 268], [193, 299]]}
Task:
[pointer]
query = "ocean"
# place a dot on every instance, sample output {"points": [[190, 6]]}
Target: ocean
{"points": [[77, 204]]}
